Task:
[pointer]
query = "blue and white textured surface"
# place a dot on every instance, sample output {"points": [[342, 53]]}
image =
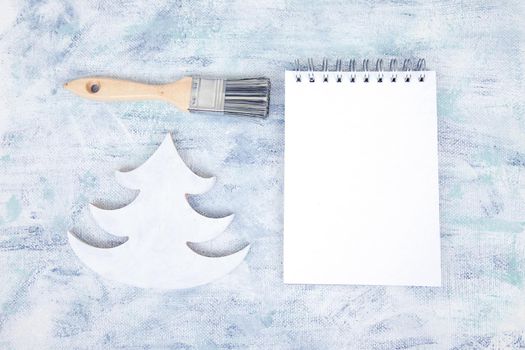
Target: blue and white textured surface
{"points": [[58, 153]]}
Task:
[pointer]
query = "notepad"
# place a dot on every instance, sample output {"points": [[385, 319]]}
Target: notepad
{"points": [[361, 199]]}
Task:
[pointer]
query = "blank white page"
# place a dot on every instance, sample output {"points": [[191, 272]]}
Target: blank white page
{"points": [[361, 201]]}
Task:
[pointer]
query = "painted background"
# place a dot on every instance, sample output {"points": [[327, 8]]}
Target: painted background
{"points": [[58, 153]]}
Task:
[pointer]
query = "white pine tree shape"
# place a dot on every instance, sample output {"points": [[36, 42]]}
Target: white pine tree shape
{"points": [[159, 223]]}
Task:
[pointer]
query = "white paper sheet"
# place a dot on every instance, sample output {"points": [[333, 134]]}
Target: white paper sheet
{"points": [[361, 181]]}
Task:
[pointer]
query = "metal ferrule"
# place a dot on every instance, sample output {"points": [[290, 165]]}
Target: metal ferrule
{"points": [[207, 95]]}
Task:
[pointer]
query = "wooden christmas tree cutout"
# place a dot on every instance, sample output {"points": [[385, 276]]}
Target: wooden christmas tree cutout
{"points": [[159, 223]]}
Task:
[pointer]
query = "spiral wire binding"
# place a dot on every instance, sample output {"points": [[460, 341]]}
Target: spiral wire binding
{"points": [[393, 70], [338, 69], [365, 69], [379, 69], [421, 66], [408, 70], [311, 69], [298, 70], [351, 68], [325, 70]]}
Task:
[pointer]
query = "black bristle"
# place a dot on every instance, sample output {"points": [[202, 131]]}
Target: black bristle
{"points": [[247, 97]]}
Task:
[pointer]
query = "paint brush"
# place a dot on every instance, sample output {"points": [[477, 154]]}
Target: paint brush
{"points": [[249, 97]]}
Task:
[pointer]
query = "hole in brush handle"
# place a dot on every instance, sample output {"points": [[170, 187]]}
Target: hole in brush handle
{"points": [[93, 87]]}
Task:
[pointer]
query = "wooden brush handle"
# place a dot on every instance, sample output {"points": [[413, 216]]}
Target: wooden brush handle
{"points": [[107, 89]]}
